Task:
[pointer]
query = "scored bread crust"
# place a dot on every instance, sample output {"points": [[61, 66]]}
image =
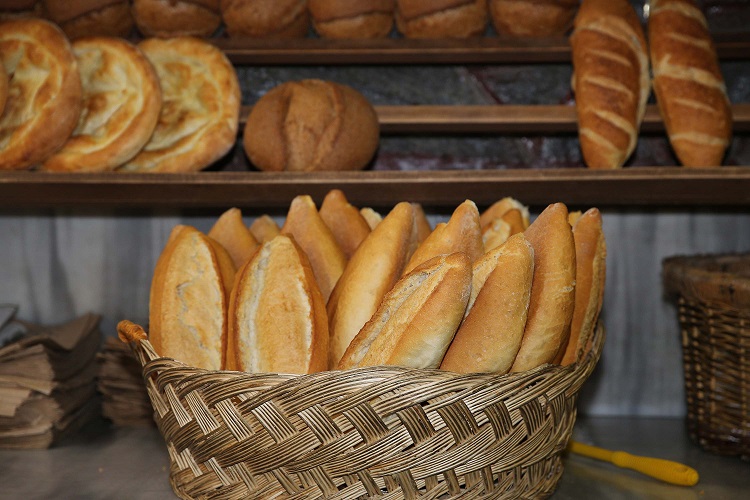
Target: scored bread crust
{"points": [[352, 19], [552, 289], [688, 83], [121, 104], [347, 224], [264, 19], [417, 319], [264, 228], [441, 18], [495, 234], [533, 18], [490, 335], [230, 231], [170, 18], [200, 107], [510, 210], [370, 274], [44, 92], [277, 317], [424, 229]]}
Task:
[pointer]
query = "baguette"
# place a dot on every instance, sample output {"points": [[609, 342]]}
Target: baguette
{"points": [[591, 262], [490, 335], [231, 232], [611, 80], [424, 229], [495, 234], [264, 229], [416, 321], [189, 297], [511, 211], [461, 233], [372, 217], [347, 224], [370, 274], [552, 289], [688, 83], [277, 315]]}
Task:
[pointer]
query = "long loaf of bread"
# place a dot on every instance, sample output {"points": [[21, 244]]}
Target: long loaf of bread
{"points": [[611, 80], [688, 83]]}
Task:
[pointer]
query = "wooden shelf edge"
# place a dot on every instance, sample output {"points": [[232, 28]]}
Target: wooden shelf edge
{"points": [[631, 187]]}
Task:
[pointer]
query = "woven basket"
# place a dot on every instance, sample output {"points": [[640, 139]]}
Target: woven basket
{"points": [[713, 297], [382, 432]]}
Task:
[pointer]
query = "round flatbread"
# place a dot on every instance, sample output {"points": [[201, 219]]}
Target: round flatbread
{"points": [[44, 92], [200, 107], [121, 105]]}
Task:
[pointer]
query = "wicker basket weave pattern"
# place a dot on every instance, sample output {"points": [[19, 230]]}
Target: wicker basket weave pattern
{"points": [[382, 432]]}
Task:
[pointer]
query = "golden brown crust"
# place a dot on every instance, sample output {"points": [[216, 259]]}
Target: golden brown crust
{"points": [[372, 271], [113, 20], [352, 19], [264, 19], [230, 231], [347, 224], [328, 10], [372, 217], [504, 209], [277, 315], [200, 111], [552, 290], [495, 234], [533, 18], [311, 125], [417, 319], [44, 92], [121, 103], [591, 264], [424, 229], [61, 11], [688, 83], [461, 233], [171, 18], [264, 228], [441, 18], [490, 335], [312, 234]]}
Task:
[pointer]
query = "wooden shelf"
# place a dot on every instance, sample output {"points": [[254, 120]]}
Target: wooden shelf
{"points": [[635, 186], [396, 51]]}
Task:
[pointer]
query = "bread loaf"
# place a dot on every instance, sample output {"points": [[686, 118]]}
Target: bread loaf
{"points": [[533, 18], [44, 92], [495, 234], [230, 231], [490, 336], [86, 18], [510, 210], [460, 234], [416, 321], [352, 18], [591, 263], [372, 217], [441, 18], [552, 289], [688, 83], [264, 228], [424, 229], [265, 18], [121, 105], [311, 125], [171, 18], [611, 80], [327, 259], [189, 298], [347, 224], [370, 274]]}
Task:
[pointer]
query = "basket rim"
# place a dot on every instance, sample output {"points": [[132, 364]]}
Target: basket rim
{"points": [[696, 278]]}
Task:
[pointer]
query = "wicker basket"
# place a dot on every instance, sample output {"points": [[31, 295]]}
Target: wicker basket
{"points": [[713, 296], [382, 432]]}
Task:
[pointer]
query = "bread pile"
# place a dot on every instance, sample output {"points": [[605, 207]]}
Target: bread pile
{"points": [[108, 105], [612, 82], [327, 290]]}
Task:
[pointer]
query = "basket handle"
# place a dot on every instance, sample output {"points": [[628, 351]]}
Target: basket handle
{"points": [[129, 332]]}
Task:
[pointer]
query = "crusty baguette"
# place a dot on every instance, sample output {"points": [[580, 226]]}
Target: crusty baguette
{"points": [[495, 234], [423, 225], [416, 321], [591, 266], [510, 210], [347, 224], [277, 317], [231, 232], [490, 336], [461, 233], [688, 83], [189, 297], [611, 80], [370, 274], [552, 289], [328, 261], [372, 217], [264, 228]]}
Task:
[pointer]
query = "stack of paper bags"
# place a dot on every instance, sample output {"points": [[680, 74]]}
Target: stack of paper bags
{"points": [[47, 379], [124, 398]]}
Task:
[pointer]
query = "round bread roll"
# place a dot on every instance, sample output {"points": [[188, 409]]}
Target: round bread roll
{"points": [[266, 18], [352, 18], [441, 18], [82, 18], [533, 18], [311, 125], [44, 92], [121, 104], [168, 18], [200, 111]]}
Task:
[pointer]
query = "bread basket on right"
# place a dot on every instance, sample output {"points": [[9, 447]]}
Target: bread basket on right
{"points": [[384, 432]]}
